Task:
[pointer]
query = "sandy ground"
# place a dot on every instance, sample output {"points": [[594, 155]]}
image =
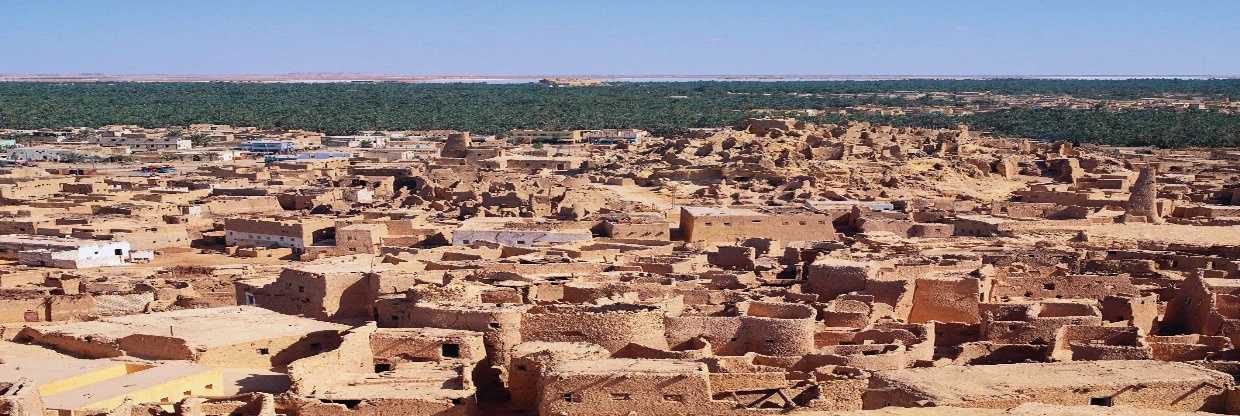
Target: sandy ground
{"points": [[950, 182], [1171, 233], [988, 189], [1161, 233], [640, 194], [635, 193], [194, 258]]}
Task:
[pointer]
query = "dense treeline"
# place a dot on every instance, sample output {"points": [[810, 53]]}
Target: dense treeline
{"points": [[1082, 88], [1159, 128], [662, 107]]}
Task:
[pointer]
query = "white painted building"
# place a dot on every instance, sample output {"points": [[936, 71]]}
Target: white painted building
{"points": [[374, 142], [613, 136], [59, 154], [65, 253], [391, 155], [145, 142], [51, 154], [360, 195], [324, 155], [248, 239], [518, 232]]}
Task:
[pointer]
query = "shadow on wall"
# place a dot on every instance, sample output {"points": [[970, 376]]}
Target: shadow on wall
{"points": [[263, 383], [356, 299], [311, 344]]}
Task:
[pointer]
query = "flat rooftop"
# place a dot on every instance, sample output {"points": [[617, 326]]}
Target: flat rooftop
{"points": [[49, 241], [755, 210], [209, 327], [418, 380], [41, 365], [565, 349], [829, 204], [340, 266], [955, 384], [170, 372], [614, 366], [988, 219], [717, 211], [522, 224]]}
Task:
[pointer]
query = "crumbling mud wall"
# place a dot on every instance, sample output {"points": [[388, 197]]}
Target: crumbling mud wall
{"points": [[611, 326]]}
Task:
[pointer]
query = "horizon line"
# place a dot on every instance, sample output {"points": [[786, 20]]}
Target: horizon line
{"points": [[600, 75]]}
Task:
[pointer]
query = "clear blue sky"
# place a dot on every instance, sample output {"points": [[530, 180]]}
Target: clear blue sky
{"points": [[517, 37]]}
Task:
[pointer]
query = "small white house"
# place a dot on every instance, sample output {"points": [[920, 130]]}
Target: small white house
{"points": [[65, 253], [518, 232]]}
